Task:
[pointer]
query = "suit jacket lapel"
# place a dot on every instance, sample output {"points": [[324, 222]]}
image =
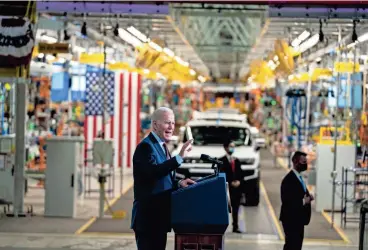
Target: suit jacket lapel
{"points": [[300, 183], [157, 145]]}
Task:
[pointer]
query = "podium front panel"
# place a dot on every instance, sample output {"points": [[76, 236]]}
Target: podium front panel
{"points": [[202, 207]]}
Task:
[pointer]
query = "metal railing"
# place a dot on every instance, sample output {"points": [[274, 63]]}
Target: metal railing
{"points": [[363, 228]]}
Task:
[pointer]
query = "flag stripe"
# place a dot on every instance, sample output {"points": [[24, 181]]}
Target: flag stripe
{"points": [[139, 85], [126, 119], [129, 115], [121, 108], [123, 124], [116, 124]]}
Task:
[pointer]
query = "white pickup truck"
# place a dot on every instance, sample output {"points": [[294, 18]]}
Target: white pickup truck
{"points": [[209, 136]]}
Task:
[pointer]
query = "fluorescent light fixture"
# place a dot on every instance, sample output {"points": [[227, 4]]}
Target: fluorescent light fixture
{"points": [[304, 35], [155, 46], [201, 78], [129, 38], [79, 49], [169, 52], [361, 39], [138, 34], [47, 38], [179, 60], [308, 44], [192, 72]]}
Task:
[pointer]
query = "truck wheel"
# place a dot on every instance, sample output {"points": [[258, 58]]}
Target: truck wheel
{"points": [[252, 193]]}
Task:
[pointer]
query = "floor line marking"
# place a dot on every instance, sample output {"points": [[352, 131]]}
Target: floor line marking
{"points": [[85, 226], [307, 242], [272, 211], [338, 229]]}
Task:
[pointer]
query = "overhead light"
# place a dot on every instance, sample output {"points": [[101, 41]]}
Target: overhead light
{"points": [[201, 79], [155, 46], [47, 38], [192, 72], [308, 44], [138, 34], [129, 38], [363, 38], [351, 45], [169, 52], [180, 61], [79, 49], [304, 35]]}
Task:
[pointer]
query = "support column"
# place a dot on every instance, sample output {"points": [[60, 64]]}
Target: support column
{"points": [[20, 129]]}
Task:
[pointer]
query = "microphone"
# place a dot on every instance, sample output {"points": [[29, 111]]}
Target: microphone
{"points": [[210, 159]]}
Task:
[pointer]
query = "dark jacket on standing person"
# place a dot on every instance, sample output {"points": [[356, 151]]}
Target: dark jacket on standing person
{"points": [[293, 211], [154, 181]]}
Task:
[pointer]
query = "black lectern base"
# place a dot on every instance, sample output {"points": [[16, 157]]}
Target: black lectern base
{"points": [[199, 242]]}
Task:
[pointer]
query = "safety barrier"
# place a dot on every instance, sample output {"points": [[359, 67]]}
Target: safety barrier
{"points": [[363, 229]]}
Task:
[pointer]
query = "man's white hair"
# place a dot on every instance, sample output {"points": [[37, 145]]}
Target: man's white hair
{"points": [[157, 114]]}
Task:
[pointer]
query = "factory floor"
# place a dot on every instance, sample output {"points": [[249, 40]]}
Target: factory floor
{"points": [[260, 225]]}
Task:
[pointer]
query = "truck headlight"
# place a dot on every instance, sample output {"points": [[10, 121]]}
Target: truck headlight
{"points": [[248, 161]]}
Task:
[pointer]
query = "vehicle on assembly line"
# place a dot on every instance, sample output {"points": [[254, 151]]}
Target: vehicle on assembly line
{"points": [[209, 134], [260, 141]]}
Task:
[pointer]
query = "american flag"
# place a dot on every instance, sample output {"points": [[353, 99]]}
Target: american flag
{"points": [[122, 124]]}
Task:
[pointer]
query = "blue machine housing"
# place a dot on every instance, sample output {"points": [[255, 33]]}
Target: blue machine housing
{"points": [[201, 208]]}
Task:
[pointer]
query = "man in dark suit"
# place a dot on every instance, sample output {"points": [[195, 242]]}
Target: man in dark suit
{"points": [[231, 167], [296, 203], [154, 180]]}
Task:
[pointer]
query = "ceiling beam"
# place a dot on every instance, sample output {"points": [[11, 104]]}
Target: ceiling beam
{"points": [[318, 12], [100, 7]]}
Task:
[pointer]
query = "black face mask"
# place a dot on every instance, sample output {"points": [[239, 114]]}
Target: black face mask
{"points": [[302, 167]]}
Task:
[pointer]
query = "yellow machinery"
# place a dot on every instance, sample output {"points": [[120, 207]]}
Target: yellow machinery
{"points": [[327, 135]]}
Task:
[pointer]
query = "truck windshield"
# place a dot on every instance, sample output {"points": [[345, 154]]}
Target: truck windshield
{"points": [[210, 135]]}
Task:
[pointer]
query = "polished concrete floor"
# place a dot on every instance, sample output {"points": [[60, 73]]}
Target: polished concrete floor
{"points": [[58, 242]]}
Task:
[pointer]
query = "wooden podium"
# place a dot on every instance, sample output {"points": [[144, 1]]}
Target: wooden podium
{"points": [[200, 214], [199, 242]]}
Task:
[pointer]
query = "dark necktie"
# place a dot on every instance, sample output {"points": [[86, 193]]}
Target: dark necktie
{"points": [[233, 165], [168, 156]]}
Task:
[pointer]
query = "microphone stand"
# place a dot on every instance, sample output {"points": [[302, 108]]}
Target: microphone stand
{"points": [[215, 168]]}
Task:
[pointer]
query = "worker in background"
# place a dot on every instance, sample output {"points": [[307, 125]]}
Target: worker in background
{"points": [[231, 167], [296, 203]]}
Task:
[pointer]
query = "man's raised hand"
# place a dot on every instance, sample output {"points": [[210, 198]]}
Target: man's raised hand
{"points": [[187, 147]]}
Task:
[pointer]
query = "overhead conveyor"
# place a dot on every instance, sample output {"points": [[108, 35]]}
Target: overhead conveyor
{"points": [[221, 34]]}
